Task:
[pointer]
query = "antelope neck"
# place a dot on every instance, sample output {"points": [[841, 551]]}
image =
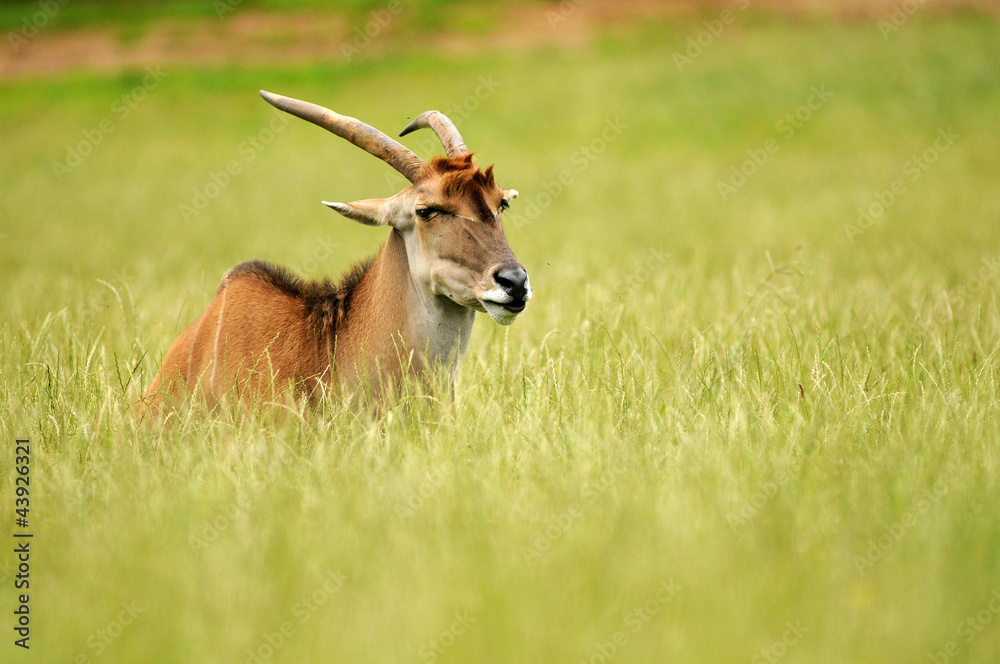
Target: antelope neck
{"points": [[393, 307]]}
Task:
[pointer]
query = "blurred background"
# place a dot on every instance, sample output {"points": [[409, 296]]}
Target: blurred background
{"points": [[118, 116], [130, 109], [764, 240]]}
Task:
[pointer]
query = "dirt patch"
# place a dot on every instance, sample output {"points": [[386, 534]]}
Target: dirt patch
{"points": [[245, 38], [249, 37]]}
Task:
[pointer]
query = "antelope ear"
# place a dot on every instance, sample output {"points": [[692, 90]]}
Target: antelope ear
{"points": [[370, 212]]}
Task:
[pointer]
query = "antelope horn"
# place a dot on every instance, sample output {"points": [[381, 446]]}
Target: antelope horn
{"points": [[366, 137], [443, 127]]}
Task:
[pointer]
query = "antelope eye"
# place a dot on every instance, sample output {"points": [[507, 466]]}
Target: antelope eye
{"points": [[425, 213], [504, 204]]}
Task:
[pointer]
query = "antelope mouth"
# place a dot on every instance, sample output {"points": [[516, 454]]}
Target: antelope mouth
{"points": [[503, 307], [503, 313], [514, 306]]}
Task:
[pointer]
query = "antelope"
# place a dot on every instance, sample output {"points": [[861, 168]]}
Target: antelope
{"points": [[404, 311]]}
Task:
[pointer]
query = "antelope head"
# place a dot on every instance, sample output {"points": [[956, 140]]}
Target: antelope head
{"points": [[449, 217]]}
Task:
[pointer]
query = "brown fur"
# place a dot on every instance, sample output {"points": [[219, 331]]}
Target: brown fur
{"points": [[266, 328], [460, 178], [268, 333]]}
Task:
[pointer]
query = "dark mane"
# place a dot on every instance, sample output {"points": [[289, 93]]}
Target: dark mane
{"points": [[326, 304]]}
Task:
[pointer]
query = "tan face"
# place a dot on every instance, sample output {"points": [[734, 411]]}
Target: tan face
{"points": [[455, 244], [460, 241]]}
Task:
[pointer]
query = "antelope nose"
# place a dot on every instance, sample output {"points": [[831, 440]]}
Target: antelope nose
{"points": [[513, 281]]}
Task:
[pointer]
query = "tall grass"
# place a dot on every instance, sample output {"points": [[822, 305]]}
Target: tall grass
{"points": [[722, 430]]}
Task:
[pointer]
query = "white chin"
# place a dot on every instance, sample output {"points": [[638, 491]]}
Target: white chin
{"points": [[499, 313]]}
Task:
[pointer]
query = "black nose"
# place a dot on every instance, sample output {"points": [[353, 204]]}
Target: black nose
{"points": [[513, 280]]}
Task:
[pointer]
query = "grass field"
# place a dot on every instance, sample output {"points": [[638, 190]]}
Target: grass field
{"points": [[739, 422]]}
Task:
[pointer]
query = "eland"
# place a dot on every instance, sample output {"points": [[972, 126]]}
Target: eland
{"points": [[405, 311]]}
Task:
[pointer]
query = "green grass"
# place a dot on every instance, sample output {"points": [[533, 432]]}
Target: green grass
{"points": [[134, 17], [732, 396]]}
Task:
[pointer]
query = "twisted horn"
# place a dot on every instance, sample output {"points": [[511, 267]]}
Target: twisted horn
{"points": [[443, 127], [364, 136]]}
